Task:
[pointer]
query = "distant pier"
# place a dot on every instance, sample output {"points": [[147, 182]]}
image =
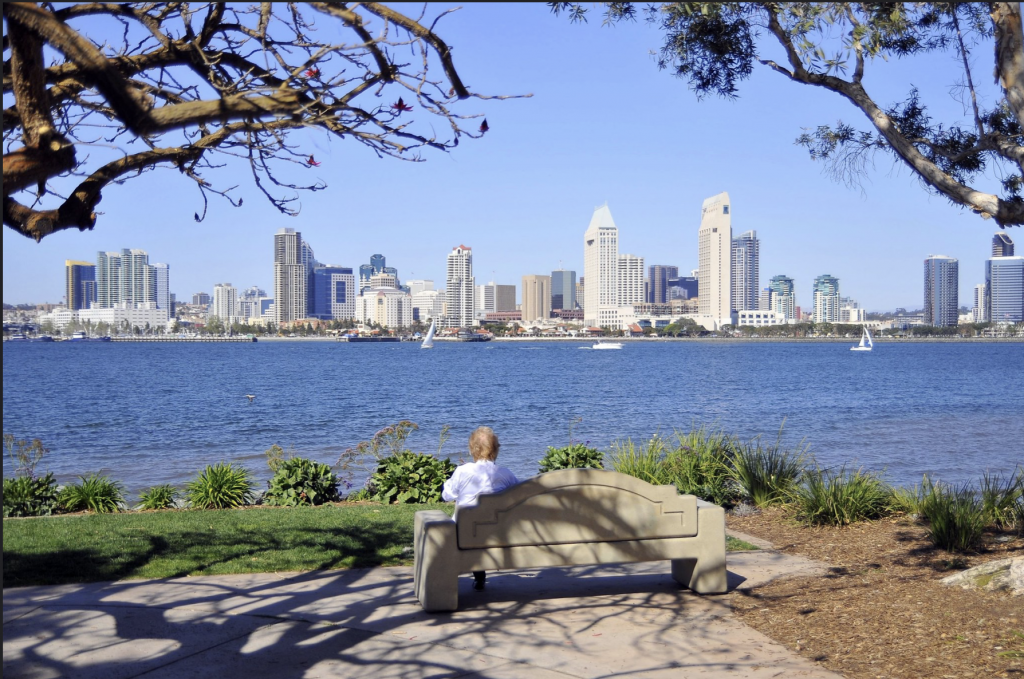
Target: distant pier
{"points": [[167, 338]]}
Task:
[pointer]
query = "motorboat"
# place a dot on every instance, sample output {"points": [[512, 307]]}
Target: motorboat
{"points": [[606, 345]]}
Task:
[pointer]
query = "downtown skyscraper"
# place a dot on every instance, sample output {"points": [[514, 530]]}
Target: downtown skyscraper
{"points": [[460, 286], [714, 257], [291, 278], [600, 269], [826, 299], [941, 291], [746, 271], [79, 284], [563, 289]]}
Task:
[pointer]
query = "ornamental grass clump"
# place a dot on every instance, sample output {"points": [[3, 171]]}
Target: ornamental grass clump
{"points": [[839, 498], [768, 473], [300, 481], [909, 501], [955, 516], [1000, 500], [94, 493], [164, 496], [702, 465], [220, 486], [31, 496], [646, 462]]}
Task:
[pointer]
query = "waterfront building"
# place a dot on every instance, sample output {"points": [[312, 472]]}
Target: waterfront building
{"points": [[144, 315], [714, 257], [784, 297], [826, 299], [333, 293], [201, 299], [428, 305], [491, 298], [124, 278], [941, 286], [291, 279], [630, 280], [79, 284], [563, 289], [980, 310], [1004, 288], [536, 298], [418, 286], [600, 268], [746, 273], [659, 276], [251, 304], [225, 303], [764, 301], [160, 275], [1002, 246], [459, 288], [758, 318], [387, 307]]}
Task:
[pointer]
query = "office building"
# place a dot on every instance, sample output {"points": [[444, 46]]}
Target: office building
{"points": [[600, 268], [764, 301], [1002, 246], [714, 257], [941, 286], [79, 284], [659, 276], [826, 299], [428, 305], [460, 288], [563, 289], [1004, 288], [683, 287], [201, 299], [387, 307], [536, 298], [291, 279], [225, 303], [746, 272], [333, 293], [160, 275], [418, 286], [491, 298], [384, 279], [979, 313], [579, 293], [630, 280]]}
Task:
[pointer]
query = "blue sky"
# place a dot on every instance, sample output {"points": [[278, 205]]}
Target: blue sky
{"points": [[603, 124]]}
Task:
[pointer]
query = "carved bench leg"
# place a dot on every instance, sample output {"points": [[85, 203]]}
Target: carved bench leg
{"points": [[705, 573], [436, 570]]}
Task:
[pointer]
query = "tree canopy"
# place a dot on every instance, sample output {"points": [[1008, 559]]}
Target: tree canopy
{"points": [[714, 46], [97, 93]]}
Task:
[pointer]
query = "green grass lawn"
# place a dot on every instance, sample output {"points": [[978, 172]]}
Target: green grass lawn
{"points": [[91, 547]]}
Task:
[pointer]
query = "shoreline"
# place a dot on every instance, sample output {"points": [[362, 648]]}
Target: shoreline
{"points": [[589, 340]]}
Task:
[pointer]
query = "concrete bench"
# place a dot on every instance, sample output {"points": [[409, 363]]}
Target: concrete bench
{"points": [[570, 517]]}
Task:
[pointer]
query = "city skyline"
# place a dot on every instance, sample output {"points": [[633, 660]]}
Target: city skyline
{"points": [[873, 239]]}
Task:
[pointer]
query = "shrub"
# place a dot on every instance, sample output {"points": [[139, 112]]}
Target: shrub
{"points": [[767, 473], [220, 486], [299, 481], [573, 456], [701, 465], [840, 498], [31, 496], [646, 463], [159, 497], [95, 493], [955, 516], [408, 477], [999, 498], [910, 500]]}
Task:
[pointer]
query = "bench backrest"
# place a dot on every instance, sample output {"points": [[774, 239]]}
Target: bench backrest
{"points": [[576, 505]]}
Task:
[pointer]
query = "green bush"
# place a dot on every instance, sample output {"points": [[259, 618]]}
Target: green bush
{"points": [[702, 465], [955, 515], [220, 486], [767, 473], [159, 497], [910, 500], [299, 481], [574, 456], [95, 493], [1000, 499], [28, 496], [840, 498], [646, 462], [408, 477]]}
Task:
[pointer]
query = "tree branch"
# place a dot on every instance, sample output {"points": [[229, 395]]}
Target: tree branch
{"points": [[1009, 35]]}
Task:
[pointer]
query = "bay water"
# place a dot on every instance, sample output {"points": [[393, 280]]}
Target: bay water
{"points": [[149, 413]]}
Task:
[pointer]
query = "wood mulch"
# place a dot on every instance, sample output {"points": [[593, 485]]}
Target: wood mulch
{"points": [[880, 610]]}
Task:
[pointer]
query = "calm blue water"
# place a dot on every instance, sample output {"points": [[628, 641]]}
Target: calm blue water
{"points": [[155, 413]]}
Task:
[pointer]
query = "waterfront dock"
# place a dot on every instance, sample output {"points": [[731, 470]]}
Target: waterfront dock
{"points": [[171, 338]]}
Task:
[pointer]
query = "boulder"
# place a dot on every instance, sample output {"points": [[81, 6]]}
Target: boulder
{"points": [[1002, 575]]}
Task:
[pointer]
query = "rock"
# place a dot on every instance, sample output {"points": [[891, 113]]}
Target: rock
{"points": [[1003, 575]]}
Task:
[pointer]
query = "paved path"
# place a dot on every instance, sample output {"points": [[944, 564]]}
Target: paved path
{"points": [[621, 621]]}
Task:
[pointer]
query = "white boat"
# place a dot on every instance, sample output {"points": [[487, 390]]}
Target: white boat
{"points": [[865, 342], [606, 345], [428, 341]]}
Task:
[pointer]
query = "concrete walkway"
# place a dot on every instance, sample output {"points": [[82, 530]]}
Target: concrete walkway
{"points": [[621, 621]]}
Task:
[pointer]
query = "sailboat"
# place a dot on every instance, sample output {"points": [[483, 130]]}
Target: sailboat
{"points": [[428, 341], [865, 342]]}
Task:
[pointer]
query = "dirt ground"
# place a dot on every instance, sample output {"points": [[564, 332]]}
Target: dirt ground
{"points": [[881, 611]]}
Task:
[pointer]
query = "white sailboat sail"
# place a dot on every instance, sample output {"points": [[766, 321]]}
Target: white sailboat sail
{"points": [[428, 341], [865, 342]]}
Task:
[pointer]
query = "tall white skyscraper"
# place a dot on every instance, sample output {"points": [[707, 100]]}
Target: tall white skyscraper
{"points": [[126, 279], [941, 290], [746, 271], [290, 276], [826, 299], [714, 258], [600, 269], [161, 275], [460, 288], [1004, 287], [980, 310], [629, 281], [225, 303]]}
